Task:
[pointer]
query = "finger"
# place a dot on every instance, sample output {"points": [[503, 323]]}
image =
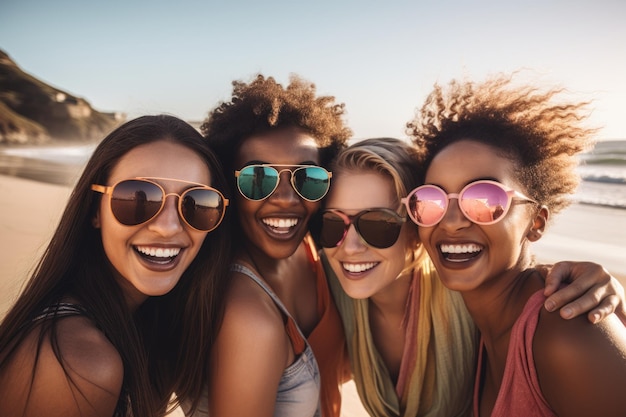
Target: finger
{"points": [[607, 306], [575, 299], [555, 276]]}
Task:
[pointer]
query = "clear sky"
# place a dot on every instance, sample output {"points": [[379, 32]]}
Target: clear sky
{"points": [[381, 58]]}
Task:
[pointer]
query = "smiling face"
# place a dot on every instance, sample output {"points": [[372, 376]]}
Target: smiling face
{"points": [[150, 258], [363, 270], [466, 254], [277, 225]]}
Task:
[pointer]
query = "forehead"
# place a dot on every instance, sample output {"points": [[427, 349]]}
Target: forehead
{"points": [[162, 158], [468, 159], [289, 146], [358, 190]]}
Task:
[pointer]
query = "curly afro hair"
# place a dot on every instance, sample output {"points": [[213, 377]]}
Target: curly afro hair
{"points": [[264, 105], [522, 122]]}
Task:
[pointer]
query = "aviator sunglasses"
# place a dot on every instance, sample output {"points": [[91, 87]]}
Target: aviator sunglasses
{"points": [[258, 182], [482, 202], [378, 227], [139, 200]]}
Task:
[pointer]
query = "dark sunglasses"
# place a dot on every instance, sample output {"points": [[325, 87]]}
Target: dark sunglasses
{"points": [[482, 202], [258, 182], [378, 227], [139, 200]]}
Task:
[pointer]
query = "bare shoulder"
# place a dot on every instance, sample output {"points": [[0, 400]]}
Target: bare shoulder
{"points": [[250, 310], [82, 377], [581, 366]]}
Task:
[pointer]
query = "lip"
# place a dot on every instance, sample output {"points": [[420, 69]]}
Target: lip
{"points": [[459, 254], [159, 264], [366, 268], [282, 233]]}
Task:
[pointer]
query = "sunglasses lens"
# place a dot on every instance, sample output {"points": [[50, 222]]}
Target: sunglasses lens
{"points": [[311, 182], [134, 202], [379, 228], [484, 202], [333, 229], [202, 208], [257, 182], [427, 205]]}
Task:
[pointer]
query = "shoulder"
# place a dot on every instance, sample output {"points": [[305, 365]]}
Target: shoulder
{"points": [[251, 311], [81, 371], [581, 366]]}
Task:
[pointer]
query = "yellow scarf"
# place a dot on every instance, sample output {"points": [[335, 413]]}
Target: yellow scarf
{"points": [[438, 363]]}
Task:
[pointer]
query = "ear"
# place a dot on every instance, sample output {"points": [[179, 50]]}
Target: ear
{"points": [[95, 220], [539, 224]]}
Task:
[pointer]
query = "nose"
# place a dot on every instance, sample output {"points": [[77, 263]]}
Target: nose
{"points": [[454, 219], [168, 221], [352, 242], [284, 192]]}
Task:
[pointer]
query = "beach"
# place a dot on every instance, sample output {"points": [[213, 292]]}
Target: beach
{"points": [[30, 211]]}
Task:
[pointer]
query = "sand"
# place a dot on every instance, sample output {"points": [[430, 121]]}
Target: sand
{"points": [[30, 210]]}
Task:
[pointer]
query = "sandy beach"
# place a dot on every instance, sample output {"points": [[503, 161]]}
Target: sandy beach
{"points": [[30, 211]]}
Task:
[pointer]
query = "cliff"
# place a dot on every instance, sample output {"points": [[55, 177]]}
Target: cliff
{"points": [[32, 111]]}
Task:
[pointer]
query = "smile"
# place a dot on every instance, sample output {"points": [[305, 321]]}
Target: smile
{"points": [[358, 268], [159, 255], [280, 225], [460, 253]]}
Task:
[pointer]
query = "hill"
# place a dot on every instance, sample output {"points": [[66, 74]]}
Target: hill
{"points": [[32, 111]]}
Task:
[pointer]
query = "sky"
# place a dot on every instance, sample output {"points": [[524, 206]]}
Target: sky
{"points": [[379, 58]]}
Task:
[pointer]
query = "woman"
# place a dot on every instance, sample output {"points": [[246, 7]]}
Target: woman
{"points": [[274, 142], [128, 274], [500, 161], [410, 340]]}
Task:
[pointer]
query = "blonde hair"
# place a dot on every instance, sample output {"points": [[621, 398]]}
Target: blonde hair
{"points": [[440, 332]]}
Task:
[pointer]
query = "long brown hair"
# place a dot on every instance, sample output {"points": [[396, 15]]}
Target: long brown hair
{"points": [[164, 345]]}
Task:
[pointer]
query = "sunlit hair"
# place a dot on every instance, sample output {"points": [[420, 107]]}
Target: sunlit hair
{"points": [[441, 376], [396, 160], [541, 134], [264, 105], [164, 344]]}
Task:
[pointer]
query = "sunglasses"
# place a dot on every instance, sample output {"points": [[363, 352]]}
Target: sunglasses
{"points": [[482, 202], [258, 182], [139, 200], [378, 227]]}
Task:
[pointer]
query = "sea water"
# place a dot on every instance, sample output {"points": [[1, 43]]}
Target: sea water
{"points": [[603, 170]]}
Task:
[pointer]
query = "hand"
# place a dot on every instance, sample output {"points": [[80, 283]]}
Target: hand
{"points": [[592, 290]]}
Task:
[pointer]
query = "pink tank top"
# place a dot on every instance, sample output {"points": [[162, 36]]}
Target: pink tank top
{"points": [[520, 394]]}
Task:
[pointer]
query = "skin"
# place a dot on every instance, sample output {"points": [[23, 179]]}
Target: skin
{"points": [[92, 362], [495, 293], [279, 256], [380, 275]]}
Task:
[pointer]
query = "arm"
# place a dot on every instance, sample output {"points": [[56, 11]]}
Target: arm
{"points": [[592, 290], [581, 367], [89, 385], [250, 354]]}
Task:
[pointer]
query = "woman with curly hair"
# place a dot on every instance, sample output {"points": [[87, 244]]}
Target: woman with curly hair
{"points": [[500, 161], [136, 265], [281, 340]]}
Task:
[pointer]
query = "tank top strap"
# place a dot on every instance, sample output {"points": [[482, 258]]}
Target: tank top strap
{"points": [[62, 310], [298, 340]]}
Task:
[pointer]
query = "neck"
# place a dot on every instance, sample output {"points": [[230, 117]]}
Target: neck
{"points": [[390, 302]]}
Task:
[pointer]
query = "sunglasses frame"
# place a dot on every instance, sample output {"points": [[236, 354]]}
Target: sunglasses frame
{"points": [[108, 189], [292, 171], [349, 220], [510, 193]]}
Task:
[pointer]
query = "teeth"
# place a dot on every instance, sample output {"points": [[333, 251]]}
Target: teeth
{"points": [[159, 252], [278, 223], [469, 248], [357, 268]]}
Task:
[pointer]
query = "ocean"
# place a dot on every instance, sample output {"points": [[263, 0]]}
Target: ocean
{"points": [[603, 170]]}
